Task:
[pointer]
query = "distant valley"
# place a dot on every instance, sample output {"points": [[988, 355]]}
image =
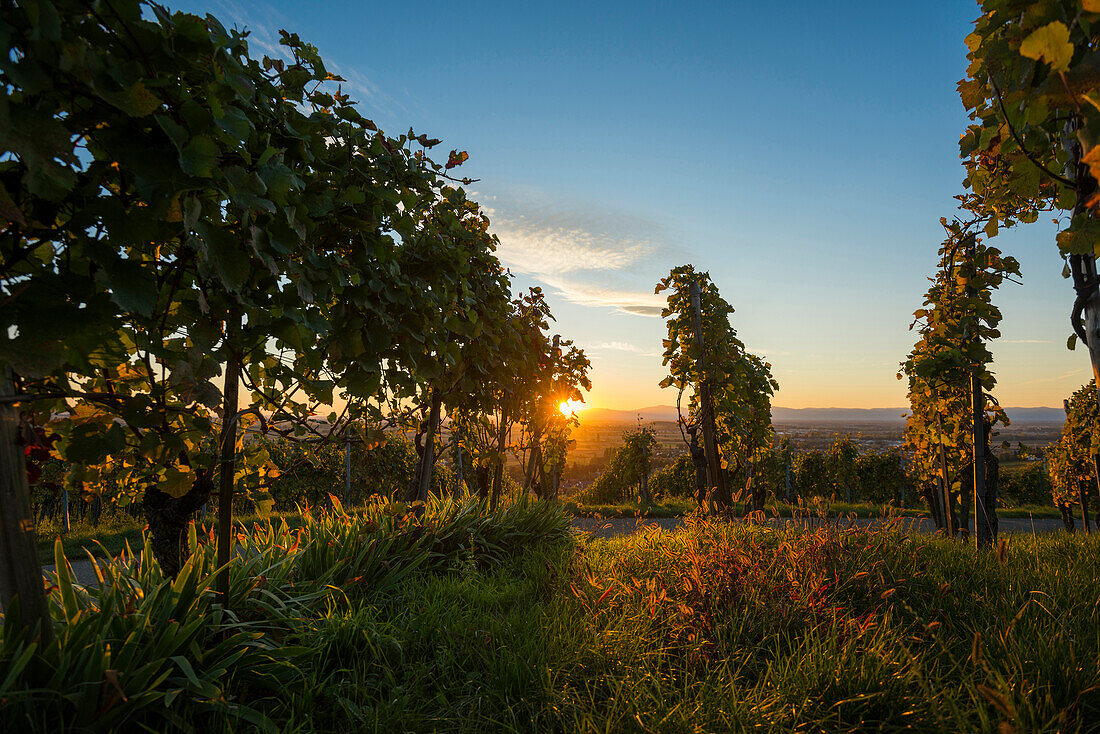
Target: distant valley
{"points": [[812, 415]]}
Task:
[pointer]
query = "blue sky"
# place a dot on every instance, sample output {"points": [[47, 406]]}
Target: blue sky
{"points": [[802, 153]]}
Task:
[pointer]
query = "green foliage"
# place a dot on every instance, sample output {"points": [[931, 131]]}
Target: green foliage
{"points": [[308, 473], [1070, 461], [956, 322], [1031, 90], [522, 382], [1027, 485], [674, 480], [176, 209], [629, 467], [811, 472], [847, 473], [740, 383]]}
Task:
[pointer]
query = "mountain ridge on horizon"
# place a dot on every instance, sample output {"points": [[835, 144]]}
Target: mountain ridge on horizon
{"points": [[1037, 414]]}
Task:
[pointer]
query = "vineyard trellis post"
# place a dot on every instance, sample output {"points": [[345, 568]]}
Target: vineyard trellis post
{"points": [[1096, 475], [498, 469], [945, 484], [65, 510], [428, 459], [983, 530], [458, 467], [347, 466], [787, 490], [227, 460], [715, 477], [20, 574]]}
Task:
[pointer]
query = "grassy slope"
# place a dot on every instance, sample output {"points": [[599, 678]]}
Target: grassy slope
{"points": [[731, 629], [714, 627], [718, 628]]}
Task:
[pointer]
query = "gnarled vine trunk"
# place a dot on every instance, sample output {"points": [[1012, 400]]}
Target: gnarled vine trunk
{"points": [[168, 518]]}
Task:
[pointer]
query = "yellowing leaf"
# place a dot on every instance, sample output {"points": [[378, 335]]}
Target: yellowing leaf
{"points": [[972, 41], [177, 480], [1091, 6], [139, 101], [174, 213], [1050, 44], [1092, 159]]}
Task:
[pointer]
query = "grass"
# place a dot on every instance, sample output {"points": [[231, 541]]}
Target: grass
{"points": [[506, 624], [722, 627], [730, 628]]}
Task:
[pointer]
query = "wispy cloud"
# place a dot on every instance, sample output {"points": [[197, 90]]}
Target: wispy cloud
{"points": [[618, 346], [576, 290], [535, 247], [593, 258], [264, 22], [1056, 378]]}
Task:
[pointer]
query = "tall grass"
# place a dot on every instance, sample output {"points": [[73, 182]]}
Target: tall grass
{"points": [[141, 650], [724, 627], [471, 621]]}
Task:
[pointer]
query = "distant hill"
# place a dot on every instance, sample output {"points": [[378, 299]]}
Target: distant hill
{"points": [[607, 415], [812, 415]]}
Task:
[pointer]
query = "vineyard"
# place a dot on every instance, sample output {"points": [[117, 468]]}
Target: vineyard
{"points": [[284, 446]]}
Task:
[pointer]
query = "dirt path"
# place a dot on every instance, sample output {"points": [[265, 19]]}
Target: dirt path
{"points": [[626, 525], [82, 569]]}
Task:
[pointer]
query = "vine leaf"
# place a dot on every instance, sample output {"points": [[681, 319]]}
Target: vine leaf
{"points": [[199, 156], [1050, 44]]}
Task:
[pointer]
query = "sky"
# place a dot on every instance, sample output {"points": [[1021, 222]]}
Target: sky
{"points": [[802, 154]]}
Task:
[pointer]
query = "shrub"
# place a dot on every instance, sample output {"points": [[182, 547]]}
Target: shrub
{"points": [[1027, 485], [311, 472], [674, 480]]}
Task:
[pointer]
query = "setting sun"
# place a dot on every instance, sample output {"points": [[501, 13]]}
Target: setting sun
{"points": [[570, 407]]}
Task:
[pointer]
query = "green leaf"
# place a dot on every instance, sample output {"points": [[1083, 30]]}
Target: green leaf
{"points": [[199, 157], [225, 254], [1081, 237]]}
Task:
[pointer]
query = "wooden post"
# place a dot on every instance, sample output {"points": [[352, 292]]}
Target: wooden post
{"points": [[65, 510], [983, 529], [458, 461], [1083, 498], [904, 476], [715, 476], [427, 461], [1096, 472], [20, 574], [787, 490], [945, 486], [498, 471], [227, 463], [347, 466]]}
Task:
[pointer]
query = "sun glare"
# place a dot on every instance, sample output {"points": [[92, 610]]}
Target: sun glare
{"points": [[569, 407]]}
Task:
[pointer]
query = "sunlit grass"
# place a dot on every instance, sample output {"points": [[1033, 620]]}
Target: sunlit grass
{"points": [[504, 624]]}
